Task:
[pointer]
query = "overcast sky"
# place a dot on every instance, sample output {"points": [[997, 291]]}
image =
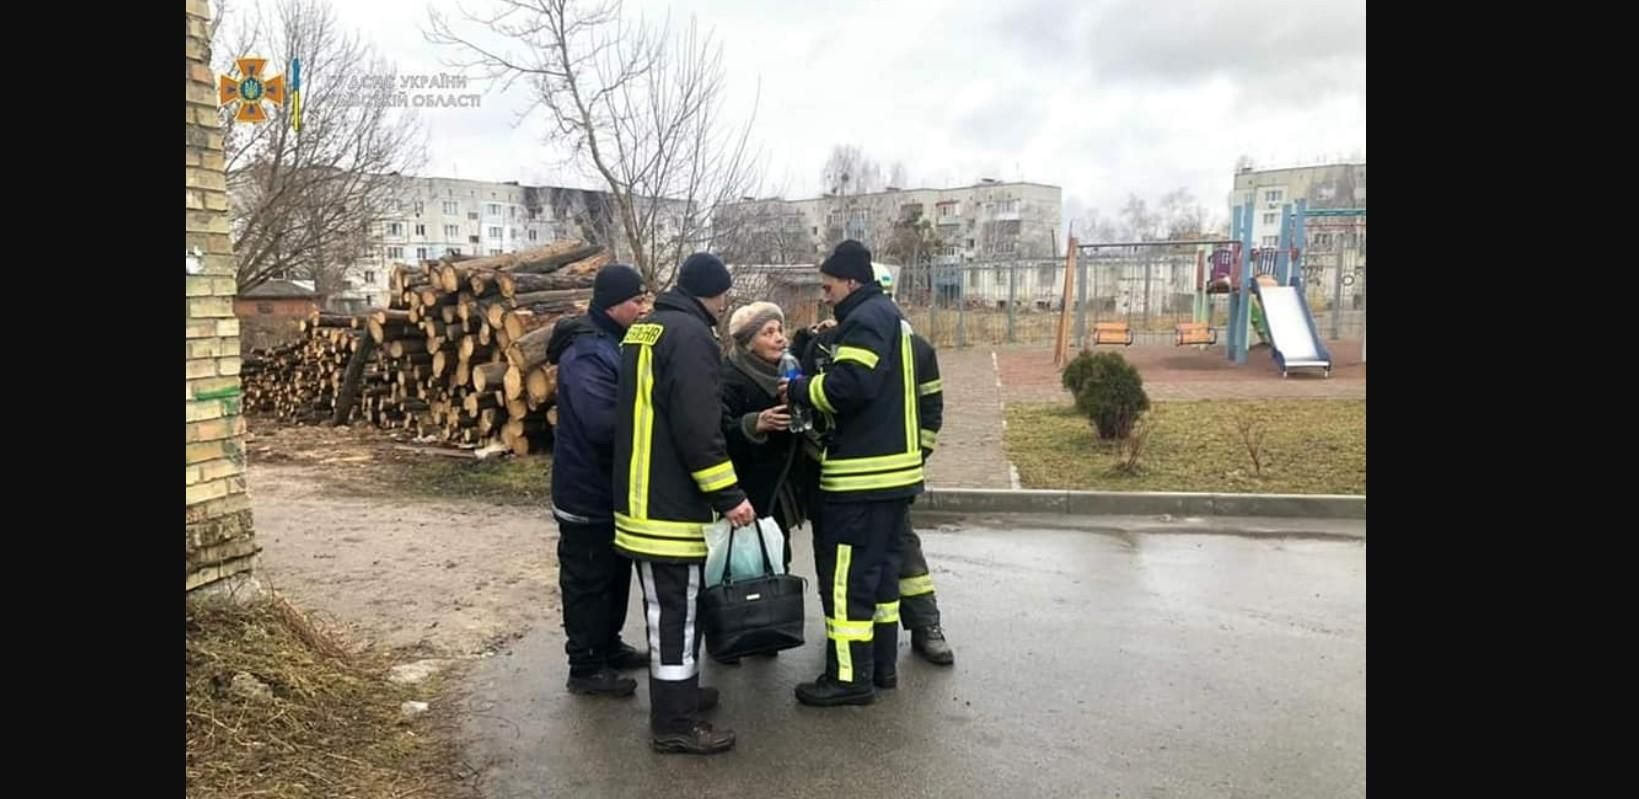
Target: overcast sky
{"points": [[1099, 97]]}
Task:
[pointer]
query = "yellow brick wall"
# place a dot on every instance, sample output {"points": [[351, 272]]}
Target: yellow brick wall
{"points": [[221, 543]]}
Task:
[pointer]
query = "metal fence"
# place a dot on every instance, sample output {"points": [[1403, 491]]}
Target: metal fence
{"points": [[1150, 286]]}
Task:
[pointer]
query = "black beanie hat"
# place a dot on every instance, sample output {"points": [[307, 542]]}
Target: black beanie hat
{"points": [[850, 260], [704, 275], [615, 284]]}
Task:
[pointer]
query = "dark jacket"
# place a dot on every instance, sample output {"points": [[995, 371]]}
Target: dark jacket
{"points": [[672, 472], [868, 396], [814, 351], [759, 458], [930, 394], [587, 352]]}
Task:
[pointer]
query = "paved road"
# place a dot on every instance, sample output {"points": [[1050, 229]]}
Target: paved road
{"points": [[1106, 663]]}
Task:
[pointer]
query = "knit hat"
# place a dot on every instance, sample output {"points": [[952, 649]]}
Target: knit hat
{"points": [[851, 260], [615, 284], [704, 275], [749, 320]]}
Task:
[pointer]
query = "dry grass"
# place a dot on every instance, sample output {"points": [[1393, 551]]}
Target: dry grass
{"points": [[1307, 447], [331, 727]]}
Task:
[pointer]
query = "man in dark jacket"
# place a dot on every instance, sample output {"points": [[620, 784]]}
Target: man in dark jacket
{"points": [[594, 579], [672, 479], [869, 470]]}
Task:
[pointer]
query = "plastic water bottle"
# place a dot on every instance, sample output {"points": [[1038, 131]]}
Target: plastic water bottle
{"points": [[791, 369]]}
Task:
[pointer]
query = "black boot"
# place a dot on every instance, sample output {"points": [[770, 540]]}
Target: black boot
{"points": [[885, 655], [603, 682], [701, 739], [622, 657], [827, 692]]}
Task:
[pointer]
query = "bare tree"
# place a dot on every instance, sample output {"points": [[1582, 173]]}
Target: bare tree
{"points": [[1141, 224], [639, 106], [1094, 227], [848, 171], [897, 176], [761, 232], [302, 202], [1181, 216]]}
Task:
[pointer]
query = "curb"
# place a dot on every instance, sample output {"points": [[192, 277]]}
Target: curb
{"points": [[1140, 503]]}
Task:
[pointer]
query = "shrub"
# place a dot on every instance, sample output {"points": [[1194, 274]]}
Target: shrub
{"points": [[1111, 394], [1076, 372]]}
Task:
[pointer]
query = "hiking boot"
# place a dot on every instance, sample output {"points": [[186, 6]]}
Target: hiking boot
{"points": [[929, 642], [708, 698], [699, 740], [826, 692], [625, 658], [603, 682]]}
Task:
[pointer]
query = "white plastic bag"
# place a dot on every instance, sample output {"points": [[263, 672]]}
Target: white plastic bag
{"points": [[746, 559]]}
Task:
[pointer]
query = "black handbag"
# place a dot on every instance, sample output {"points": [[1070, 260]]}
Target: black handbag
{"points": [[752, 616]]}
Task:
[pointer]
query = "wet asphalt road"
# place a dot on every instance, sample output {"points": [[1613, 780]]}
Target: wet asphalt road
{"points": [[1163, 663]]}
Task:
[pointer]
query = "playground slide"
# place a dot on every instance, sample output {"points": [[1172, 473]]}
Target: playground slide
{"points": [[1296, 343]]}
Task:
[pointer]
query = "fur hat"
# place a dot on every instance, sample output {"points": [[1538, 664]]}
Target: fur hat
{"points": [[746, 321]]}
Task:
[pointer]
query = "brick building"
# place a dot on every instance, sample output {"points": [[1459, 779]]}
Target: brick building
{"points": [[221, 547]]}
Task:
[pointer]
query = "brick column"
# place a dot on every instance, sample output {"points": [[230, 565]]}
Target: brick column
{"points": [[221, 547]]}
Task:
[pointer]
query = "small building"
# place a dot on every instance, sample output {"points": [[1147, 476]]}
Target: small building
{"points": [[271, 314]]}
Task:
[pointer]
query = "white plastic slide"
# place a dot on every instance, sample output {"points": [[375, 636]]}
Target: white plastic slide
{"points": [[1292, 330]]}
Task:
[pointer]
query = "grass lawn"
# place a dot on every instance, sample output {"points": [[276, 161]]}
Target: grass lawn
{"points": [[1310, 447], [507, 481]]}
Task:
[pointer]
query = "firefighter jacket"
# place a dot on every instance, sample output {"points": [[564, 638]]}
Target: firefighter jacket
{"points": [[867, 395], [816, 351], [672, 473], [930, 394]]}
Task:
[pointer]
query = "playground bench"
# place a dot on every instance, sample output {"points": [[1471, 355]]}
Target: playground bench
{"points": [[1187, 333], [1112, 333]]}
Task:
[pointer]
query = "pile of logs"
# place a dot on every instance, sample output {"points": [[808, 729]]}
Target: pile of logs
{"points": [[458, 355]]}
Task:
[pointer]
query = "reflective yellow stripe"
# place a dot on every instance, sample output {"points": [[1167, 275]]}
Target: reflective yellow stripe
{"points": [[907, 365], [915, 586], [839, 610], [637, 499], [816, 395], [665, 548], [875, 463], [853, 630], [886, 612], [859, 354], [716, 477], [645, 334], [872, 482], [661, 528], [930, 387], [930, 439]]}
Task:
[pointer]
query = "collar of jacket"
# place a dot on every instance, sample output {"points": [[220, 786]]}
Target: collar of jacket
{"points": [[601, 320], [853, 300], [678, 301]]}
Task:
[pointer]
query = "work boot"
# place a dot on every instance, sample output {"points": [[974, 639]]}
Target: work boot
{"points": [[929, 642], [623, 657], [699, 740], [708, 698], [603, 682], [827, 692], [885, 682]]}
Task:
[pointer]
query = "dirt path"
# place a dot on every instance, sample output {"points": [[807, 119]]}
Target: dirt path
{"points": [[970, 452], [438, 577]]}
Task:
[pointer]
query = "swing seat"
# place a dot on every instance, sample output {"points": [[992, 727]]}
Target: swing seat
{"points": [[1112, 333], [1189, 333]]}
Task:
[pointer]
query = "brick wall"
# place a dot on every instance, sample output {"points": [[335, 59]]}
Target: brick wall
{"points": [[221, 546]]}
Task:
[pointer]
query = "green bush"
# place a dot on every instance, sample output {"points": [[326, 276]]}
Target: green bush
{"points": [[1076, 372], [1111, 393]]}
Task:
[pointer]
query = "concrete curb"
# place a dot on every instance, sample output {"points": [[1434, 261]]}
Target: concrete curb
{"points": [[1140, 503]]}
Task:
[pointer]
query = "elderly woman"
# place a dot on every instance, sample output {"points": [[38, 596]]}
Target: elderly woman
{"points": [[755, 422]]}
